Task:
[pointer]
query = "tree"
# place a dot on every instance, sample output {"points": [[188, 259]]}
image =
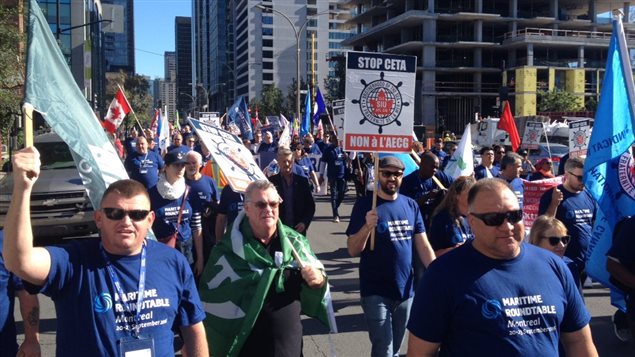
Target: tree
{"points": [[290, 102], [12, 68], [271, 100], [136, 89], [335, 84], [558, 101]]}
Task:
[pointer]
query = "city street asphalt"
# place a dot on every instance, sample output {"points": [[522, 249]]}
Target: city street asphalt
{"points": [[329, 242]]}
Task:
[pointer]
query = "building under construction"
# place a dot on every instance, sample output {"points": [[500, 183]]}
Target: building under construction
{"points": [[471, 54]]}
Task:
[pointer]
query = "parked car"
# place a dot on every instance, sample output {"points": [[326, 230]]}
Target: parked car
{"points": [[59, 203], [552, 150]]}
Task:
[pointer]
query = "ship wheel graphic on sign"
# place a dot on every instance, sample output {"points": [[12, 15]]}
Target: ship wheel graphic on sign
{"points": [[380, 102]]}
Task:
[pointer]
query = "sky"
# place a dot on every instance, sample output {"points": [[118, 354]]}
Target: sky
{"points": [[154, 32]]}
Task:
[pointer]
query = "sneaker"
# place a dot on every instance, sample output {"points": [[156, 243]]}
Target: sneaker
{"points": [[336, 219], [620, 326]]}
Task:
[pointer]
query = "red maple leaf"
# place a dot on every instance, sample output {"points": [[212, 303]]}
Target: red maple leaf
{"points": [[115, 111], [382, 106]]}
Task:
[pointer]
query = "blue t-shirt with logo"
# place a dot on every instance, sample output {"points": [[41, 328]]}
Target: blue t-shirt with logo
{"points": [[90, 316], [473, 305], [335, 161], [445, 232], [577, 212], [144, 167], [203, 193], [167, 212], [303, 167], [387, 270], [518, 187]]}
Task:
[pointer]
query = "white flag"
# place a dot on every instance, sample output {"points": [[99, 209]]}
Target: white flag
{"points": [[164, 132], [462, 161]]}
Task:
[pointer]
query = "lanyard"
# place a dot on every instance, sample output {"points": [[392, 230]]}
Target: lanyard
{"points": [[119, 290]]}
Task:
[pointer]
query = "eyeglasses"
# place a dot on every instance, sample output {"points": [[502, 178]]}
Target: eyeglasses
{"points": [[554, 241], [117, 214], [496, 219], [264, 204], [579, 177], [389, 174]]}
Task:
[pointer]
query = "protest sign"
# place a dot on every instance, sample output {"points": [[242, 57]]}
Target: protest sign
{"points": [[338, 115], [210, 118], [579, 133], [533, 190], [533, 133], [234, 159], [379, 107]]}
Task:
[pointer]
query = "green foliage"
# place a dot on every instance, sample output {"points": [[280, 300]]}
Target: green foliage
{"points": [[271, 101], [137, 90], [558, 101], [335, 85], [290, 102], [11, 69], [591, 104]]}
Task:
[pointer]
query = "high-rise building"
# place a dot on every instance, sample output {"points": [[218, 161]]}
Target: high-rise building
{"points": [[119, 45], [78, 28], [241, 49], [169, 65], [183, 49], [471, 54], [167, 87]]}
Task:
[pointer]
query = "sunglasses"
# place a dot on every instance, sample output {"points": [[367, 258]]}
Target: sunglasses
{"points": [[264, 204], [496, 219], [579, 177], [554, 241], [117, 214], [389, 174]]}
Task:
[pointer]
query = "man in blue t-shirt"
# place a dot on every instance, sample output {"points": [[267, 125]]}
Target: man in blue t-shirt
{"points": [[203, 197], [10, 287], [510, 168], [335, 159], [178, 145], [437, 149], [114, 296], [497, 295], [143, 164], [386, 279], [572, 204], [427, 185]]}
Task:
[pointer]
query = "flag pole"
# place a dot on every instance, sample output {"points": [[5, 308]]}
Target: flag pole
{"points": [[27, 118], [626, 64], [131, 109], [376, 169]]}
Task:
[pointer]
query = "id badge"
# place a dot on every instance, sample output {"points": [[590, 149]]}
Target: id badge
{"points": [[143, 171], [136, 347]]}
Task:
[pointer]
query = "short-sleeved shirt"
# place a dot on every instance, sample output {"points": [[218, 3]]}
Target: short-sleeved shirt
{"points": [[387, 270], [144, 167], [445, 232], [416, 187], [230, 204], [306, 167], [472, 304], [577, 212], [204, 193], [335, 161], [90, 318]]}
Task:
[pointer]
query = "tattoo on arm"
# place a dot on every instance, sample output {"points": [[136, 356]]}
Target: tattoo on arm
{"points": [[33, 317]]}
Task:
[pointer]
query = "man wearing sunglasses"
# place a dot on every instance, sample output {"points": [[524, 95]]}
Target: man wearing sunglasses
{"points": [[116, 295], [386, 276], [572, 204], [258, 281], [495, 293]]}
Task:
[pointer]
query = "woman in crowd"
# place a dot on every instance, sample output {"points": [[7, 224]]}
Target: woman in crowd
{"points": [[303, 165], [551, 234], [176, 223], [543, 170], [449, 228]]}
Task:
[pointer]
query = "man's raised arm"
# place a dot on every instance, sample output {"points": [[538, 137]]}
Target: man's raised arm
{"points": [[29, 263]]}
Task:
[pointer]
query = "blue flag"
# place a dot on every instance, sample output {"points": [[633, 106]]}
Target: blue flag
{"points": [[305, 127], [608, 170], [319, 107], [239, 115], [52, 91]]}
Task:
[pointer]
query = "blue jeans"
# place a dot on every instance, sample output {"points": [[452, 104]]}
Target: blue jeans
{"points": [[338, 187], [386, 319]]}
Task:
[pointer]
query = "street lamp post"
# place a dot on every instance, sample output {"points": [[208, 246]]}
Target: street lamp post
{"points": [[296, 32], [191, 99]]}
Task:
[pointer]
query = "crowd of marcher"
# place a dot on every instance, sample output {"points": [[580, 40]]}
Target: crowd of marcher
{"points": [[231, 272]]}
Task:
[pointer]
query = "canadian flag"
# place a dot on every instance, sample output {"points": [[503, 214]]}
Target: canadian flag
{"points": [[117, 111]]}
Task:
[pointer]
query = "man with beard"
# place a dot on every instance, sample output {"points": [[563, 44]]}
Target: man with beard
{"points": [[385, 272]]}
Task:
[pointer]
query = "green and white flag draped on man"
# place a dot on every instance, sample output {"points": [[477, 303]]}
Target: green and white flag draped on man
{"points": [[52, 91], [238, 277]]}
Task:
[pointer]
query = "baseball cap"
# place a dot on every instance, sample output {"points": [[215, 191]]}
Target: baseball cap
{"points": [[522, 152], [174, 157], [390, 161]]}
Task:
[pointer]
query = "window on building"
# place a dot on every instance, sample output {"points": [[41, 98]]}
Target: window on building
{"points": [[267, 43], [267, 76], [267, 20], [267, 54], [267, 65], [267, 31]]}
